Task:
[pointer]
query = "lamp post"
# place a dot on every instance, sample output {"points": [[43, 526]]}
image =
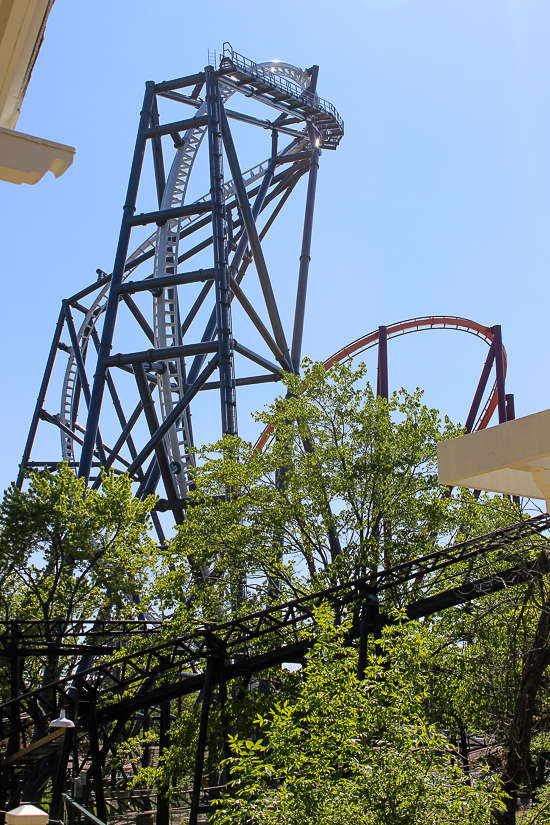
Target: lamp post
{"points": [[69, 738]]}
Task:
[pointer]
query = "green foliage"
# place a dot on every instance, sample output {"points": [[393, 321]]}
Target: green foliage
{"points": [[539, 813], [130, 752], [347, 482], [70, 553], [66, 550], [348, 750]]}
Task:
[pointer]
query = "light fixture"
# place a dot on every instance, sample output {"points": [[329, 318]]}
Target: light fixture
{"points": [[61, 722], [27, 815]]}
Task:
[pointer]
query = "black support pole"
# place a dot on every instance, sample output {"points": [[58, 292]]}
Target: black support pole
{"points": [[60, 776], [97, 765], [203, 731], [253, 238], [470, 421], [158, 160], [499, 368], [153, 424], [123, 437], [41, 395], [235, 262], [116, 279], [163, 802], [79, 361], [382, 362], [170, 419], [305, 259], [223, 292]]}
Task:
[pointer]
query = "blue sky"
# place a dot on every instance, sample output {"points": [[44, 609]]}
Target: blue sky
{"points": [[437, 200]]}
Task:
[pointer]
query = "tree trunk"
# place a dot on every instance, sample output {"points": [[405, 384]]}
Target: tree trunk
{"points": [[536, 662]]}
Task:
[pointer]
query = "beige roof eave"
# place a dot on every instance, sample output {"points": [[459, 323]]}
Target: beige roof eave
{"points": [[22, 26], [512, 458], [26, 159]]}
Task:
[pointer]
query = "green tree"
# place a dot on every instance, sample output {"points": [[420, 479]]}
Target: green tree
{"points": [[348, 750], [490, 675], [346, 483], [68, 553]]}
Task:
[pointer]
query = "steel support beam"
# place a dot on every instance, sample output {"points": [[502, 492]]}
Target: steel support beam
{"points": [[153, 284], [470, 421], [257, 321], [138, 315], [499, 368], [305, 260], [253, 238], [234, 269], [224, 324], [177, 126], [179, 83], [123, 437], [177, 412], [116, 279], [382, 379], [153, 424], [41, 395], [203, 732], [151, 356], [158, 159], [161, 216]]}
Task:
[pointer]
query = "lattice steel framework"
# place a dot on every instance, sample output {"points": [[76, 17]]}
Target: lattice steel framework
{"points": [[200, 249], [115, 697]]}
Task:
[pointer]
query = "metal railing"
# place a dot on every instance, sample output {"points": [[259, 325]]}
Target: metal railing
{"points": [[279, 83], [67, 801]]}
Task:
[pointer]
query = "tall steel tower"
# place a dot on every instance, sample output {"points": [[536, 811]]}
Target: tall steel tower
{"points": [[168, 303]]}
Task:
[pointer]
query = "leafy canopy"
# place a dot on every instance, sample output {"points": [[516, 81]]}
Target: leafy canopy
{"points": [[345, 749]]}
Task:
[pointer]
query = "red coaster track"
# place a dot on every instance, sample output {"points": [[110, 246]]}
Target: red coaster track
{"points": [[426, 322]]}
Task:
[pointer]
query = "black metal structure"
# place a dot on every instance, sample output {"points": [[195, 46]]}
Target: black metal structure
{"points": [[131, 411], [119, 695], [173, 341]]}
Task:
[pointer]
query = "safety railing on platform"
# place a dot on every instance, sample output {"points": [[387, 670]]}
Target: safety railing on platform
{"points": [[280, 83]]}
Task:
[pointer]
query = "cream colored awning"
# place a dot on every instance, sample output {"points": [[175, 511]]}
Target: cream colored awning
{"points": [[511, 458], [23, 158], [22, 26]]}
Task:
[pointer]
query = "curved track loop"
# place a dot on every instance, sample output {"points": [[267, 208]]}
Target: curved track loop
{"points": [[167, 325], [400, 328]]}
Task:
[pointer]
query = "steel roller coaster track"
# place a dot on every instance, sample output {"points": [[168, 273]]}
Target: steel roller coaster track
{"points": [[138, 401], [228, 225]]}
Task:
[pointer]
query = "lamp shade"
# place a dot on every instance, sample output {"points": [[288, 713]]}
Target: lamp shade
{"points": [[62, 721], [27, 815]]}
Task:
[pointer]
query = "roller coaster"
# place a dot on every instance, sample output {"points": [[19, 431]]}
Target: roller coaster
{"points": [[175, 345]]}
